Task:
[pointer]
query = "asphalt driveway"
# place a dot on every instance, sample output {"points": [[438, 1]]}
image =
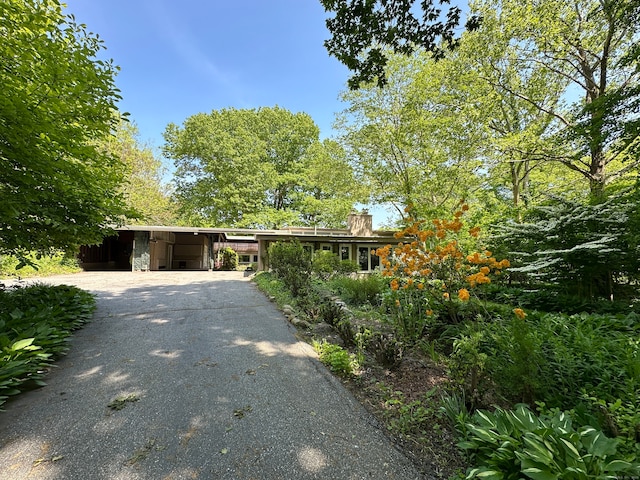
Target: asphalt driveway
{"points": [[190, 375]]}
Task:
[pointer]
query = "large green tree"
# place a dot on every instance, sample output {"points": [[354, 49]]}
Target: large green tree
{"points": [[144, 188], [252, 168], [593, 47], [58, 188], [411, 142]]}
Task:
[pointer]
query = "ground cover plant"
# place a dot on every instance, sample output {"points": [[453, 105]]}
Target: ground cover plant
{"points": [[35, 323], [32, 266], [446, 354]]}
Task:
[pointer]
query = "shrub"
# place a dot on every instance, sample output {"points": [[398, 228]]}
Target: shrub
{"points": [[430, 271], [583, 248], [32, 266], [229, 259], [325, 264], [292, 264], [360, 291]]}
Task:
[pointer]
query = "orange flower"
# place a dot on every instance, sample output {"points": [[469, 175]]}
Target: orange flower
{"points": [[463, 294], [420, 286], [394, 284], [519, 313], [445, 295], [429, 313], [474, 231], [397, 303]]}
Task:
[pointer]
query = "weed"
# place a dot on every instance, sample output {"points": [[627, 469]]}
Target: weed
{"points": [[335, 357], [122, 401]]}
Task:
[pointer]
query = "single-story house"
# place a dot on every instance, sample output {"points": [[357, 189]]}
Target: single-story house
{"points": [[144, 248]]}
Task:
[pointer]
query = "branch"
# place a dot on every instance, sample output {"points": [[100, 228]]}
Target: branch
{"points": [[527, 99]]}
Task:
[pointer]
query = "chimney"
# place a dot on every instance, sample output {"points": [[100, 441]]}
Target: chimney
{"points": [[360, 224]]}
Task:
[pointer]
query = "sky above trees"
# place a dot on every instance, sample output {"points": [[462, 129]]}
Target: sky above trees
{"points": [[181, 58]]}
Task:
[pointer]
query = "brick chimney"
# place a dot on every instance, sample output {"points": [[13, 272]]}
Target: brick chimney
{"points": [[360, 224]]}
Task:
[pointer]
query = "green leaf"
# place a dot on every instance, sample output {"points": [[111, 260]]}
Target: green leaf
{"points": [[23, 344], [540, 474], [617, 466]]}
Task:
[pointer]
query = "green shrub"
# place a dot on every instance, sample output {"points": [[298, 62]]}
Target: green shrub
{"points": [[517, 444], [46, 265], [229, 259], [360, 291], [325, 264], [35, 322], [560, 360], [290, 262]]}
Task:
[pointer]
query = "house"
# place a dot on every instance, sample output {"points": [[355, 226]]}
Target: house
{"points": [[144, 248]]}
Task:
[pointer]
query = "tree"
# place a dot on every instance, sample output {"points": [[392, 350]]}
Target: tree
{"points": [[143, 187], [593, 46], [253, 168], [410, 143], [364, 32], [58, 188], [330, 188]]}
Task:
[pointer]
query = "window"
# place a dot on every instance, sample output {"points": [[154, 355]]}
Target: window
{"points": [[326, 247], [345, 252], [255, 259], [367, 258], [242, 258]]}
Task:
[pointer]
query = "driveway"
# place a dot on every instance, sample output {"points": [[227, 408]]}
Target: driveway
{"points": [[190, 375]]}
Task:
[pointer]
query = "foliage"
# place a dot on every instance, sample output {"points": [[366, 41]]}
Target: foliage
{"points": [[335, 357], [580, 247], [414, 142], [359, 291], [58, 190], [229, 259], [414, 417], [327, 265], [563, 361], [592, 46], [432, 272], [273, 287], [35, 322], [515, 444], [143, 187], [292, 264], [58, 263], [360, 30], [258, 168]]}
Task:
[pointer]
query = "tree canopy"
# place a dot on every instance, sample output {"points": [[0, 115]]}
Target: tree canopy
{"points": [[364, 32], [58, 188], [256, 168], [144, 189]]}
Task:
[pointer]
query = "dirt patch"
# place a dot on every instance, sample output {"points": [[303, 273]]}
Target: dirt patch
{"points": [[432, 447]]}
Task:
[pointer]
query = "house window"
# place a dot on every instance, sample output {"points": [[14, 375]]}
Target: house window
{"points": [[326, 247], [367, 258], [345, 252], [244, 258], [255, 259]]}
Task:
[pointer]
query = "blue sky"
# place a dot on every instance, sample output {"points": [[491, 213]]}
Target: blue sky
{"points": [[181, 58]]}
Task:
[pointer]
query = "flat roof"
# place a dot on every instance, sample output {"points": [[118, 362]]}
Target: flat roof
{"points": [[245, 234]]}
